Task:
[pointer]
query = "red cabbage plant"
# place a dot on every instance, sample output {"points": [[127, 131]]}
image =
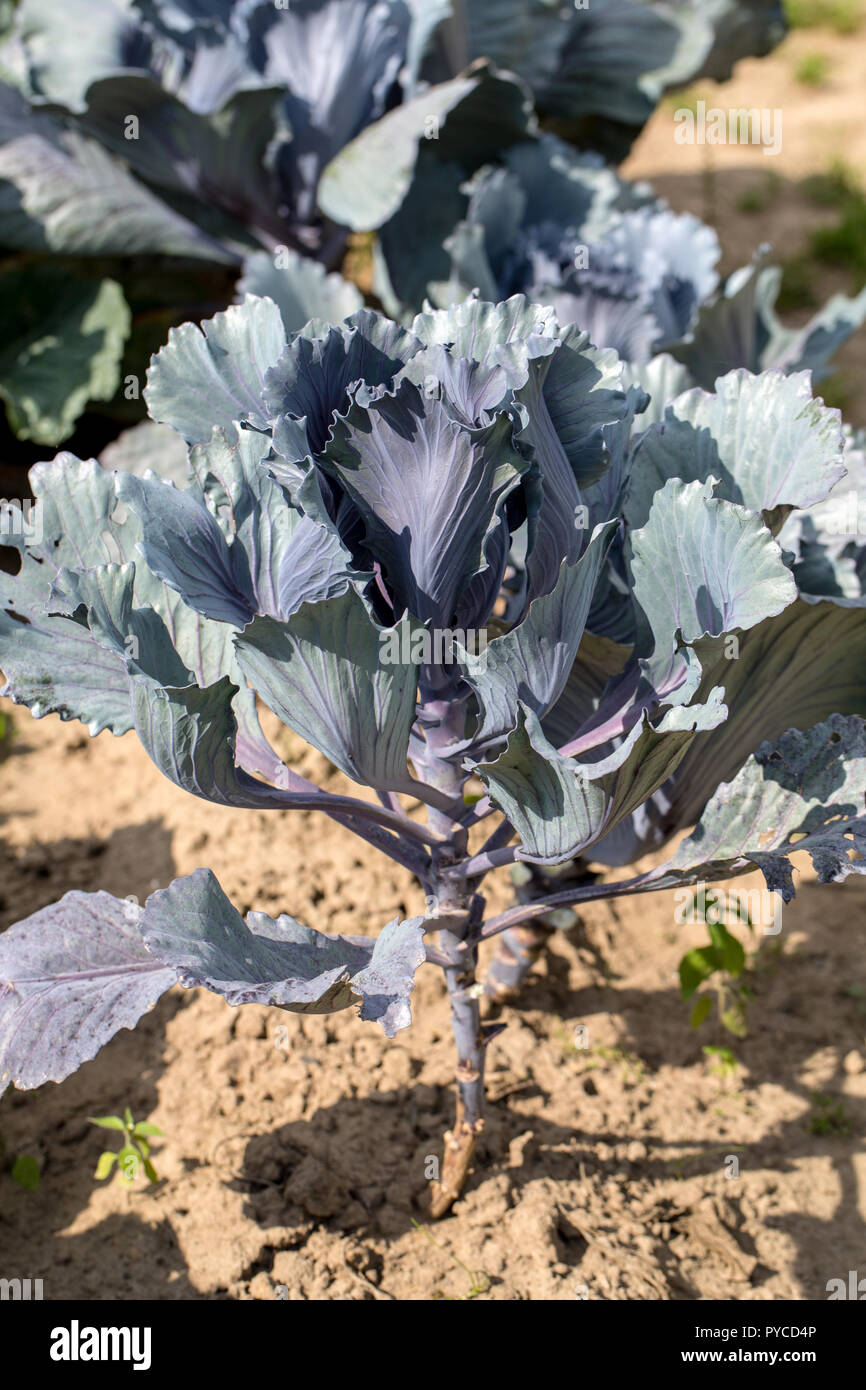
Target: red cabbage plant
{"points": [[411, 544], [156, 155]]}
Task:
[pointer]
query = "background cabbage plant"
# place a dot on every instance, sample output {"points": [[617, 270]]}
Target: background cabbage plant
{"points": [[159, 156]]}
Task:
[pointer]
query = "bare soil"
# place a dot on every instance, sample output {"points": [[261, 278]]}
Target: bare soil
{"points": [[297, 1150]]}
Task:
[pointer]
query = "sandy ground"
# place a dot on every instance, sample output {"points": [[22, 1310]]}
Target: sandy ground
{"points": [[819, 127], [295, 1162], [298, 1158]]}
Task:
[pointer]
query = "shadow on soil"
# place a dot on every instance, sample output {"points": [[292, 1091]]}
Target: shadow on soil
{"points": [[360, 1166], [107, 1261]]}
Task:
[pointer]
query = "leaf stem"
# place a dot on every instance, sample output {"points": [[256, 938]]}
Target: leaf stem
{"points": [[486, 860], [657, 880]]}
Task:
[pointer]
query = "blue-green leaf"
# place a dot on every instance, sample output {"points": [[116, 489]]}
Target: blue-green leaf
{"points": [[193, 927]]}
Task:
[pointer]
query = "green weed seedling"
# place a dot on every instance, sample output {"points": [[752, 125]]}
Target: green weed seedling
{"points": [[24, 1168], [843, 16], [631, 1066], [813, 70], [833, 188], [759, 198], [135, 1151], [479, 1282], [26, 1172], [828, 1116], [844, 243], [724, 1064], [723, 957], [680, 1162]]}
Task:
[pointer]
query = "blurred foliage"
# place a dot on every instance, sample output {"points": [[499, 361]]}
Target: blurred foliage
{"points": [[813, 69], [843, 16]]}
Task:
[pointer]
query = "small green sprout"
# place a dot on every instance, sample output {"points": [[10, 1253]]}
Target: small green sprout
{"points": [[843, 16], [858, 994], [798, 283], [724, 957], [24, 1168], [828, 1116], [26, 1172], [685, 99], [840, 244], [135, 1152], [479, 1284], [758, 199], [724, 1064], [813, 70], [631, 1066], [679, 1162]]}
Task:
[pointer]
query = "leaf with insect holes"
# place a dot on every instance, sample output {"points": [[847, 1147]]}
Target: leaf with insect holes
{"points": [[805, 793]]}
